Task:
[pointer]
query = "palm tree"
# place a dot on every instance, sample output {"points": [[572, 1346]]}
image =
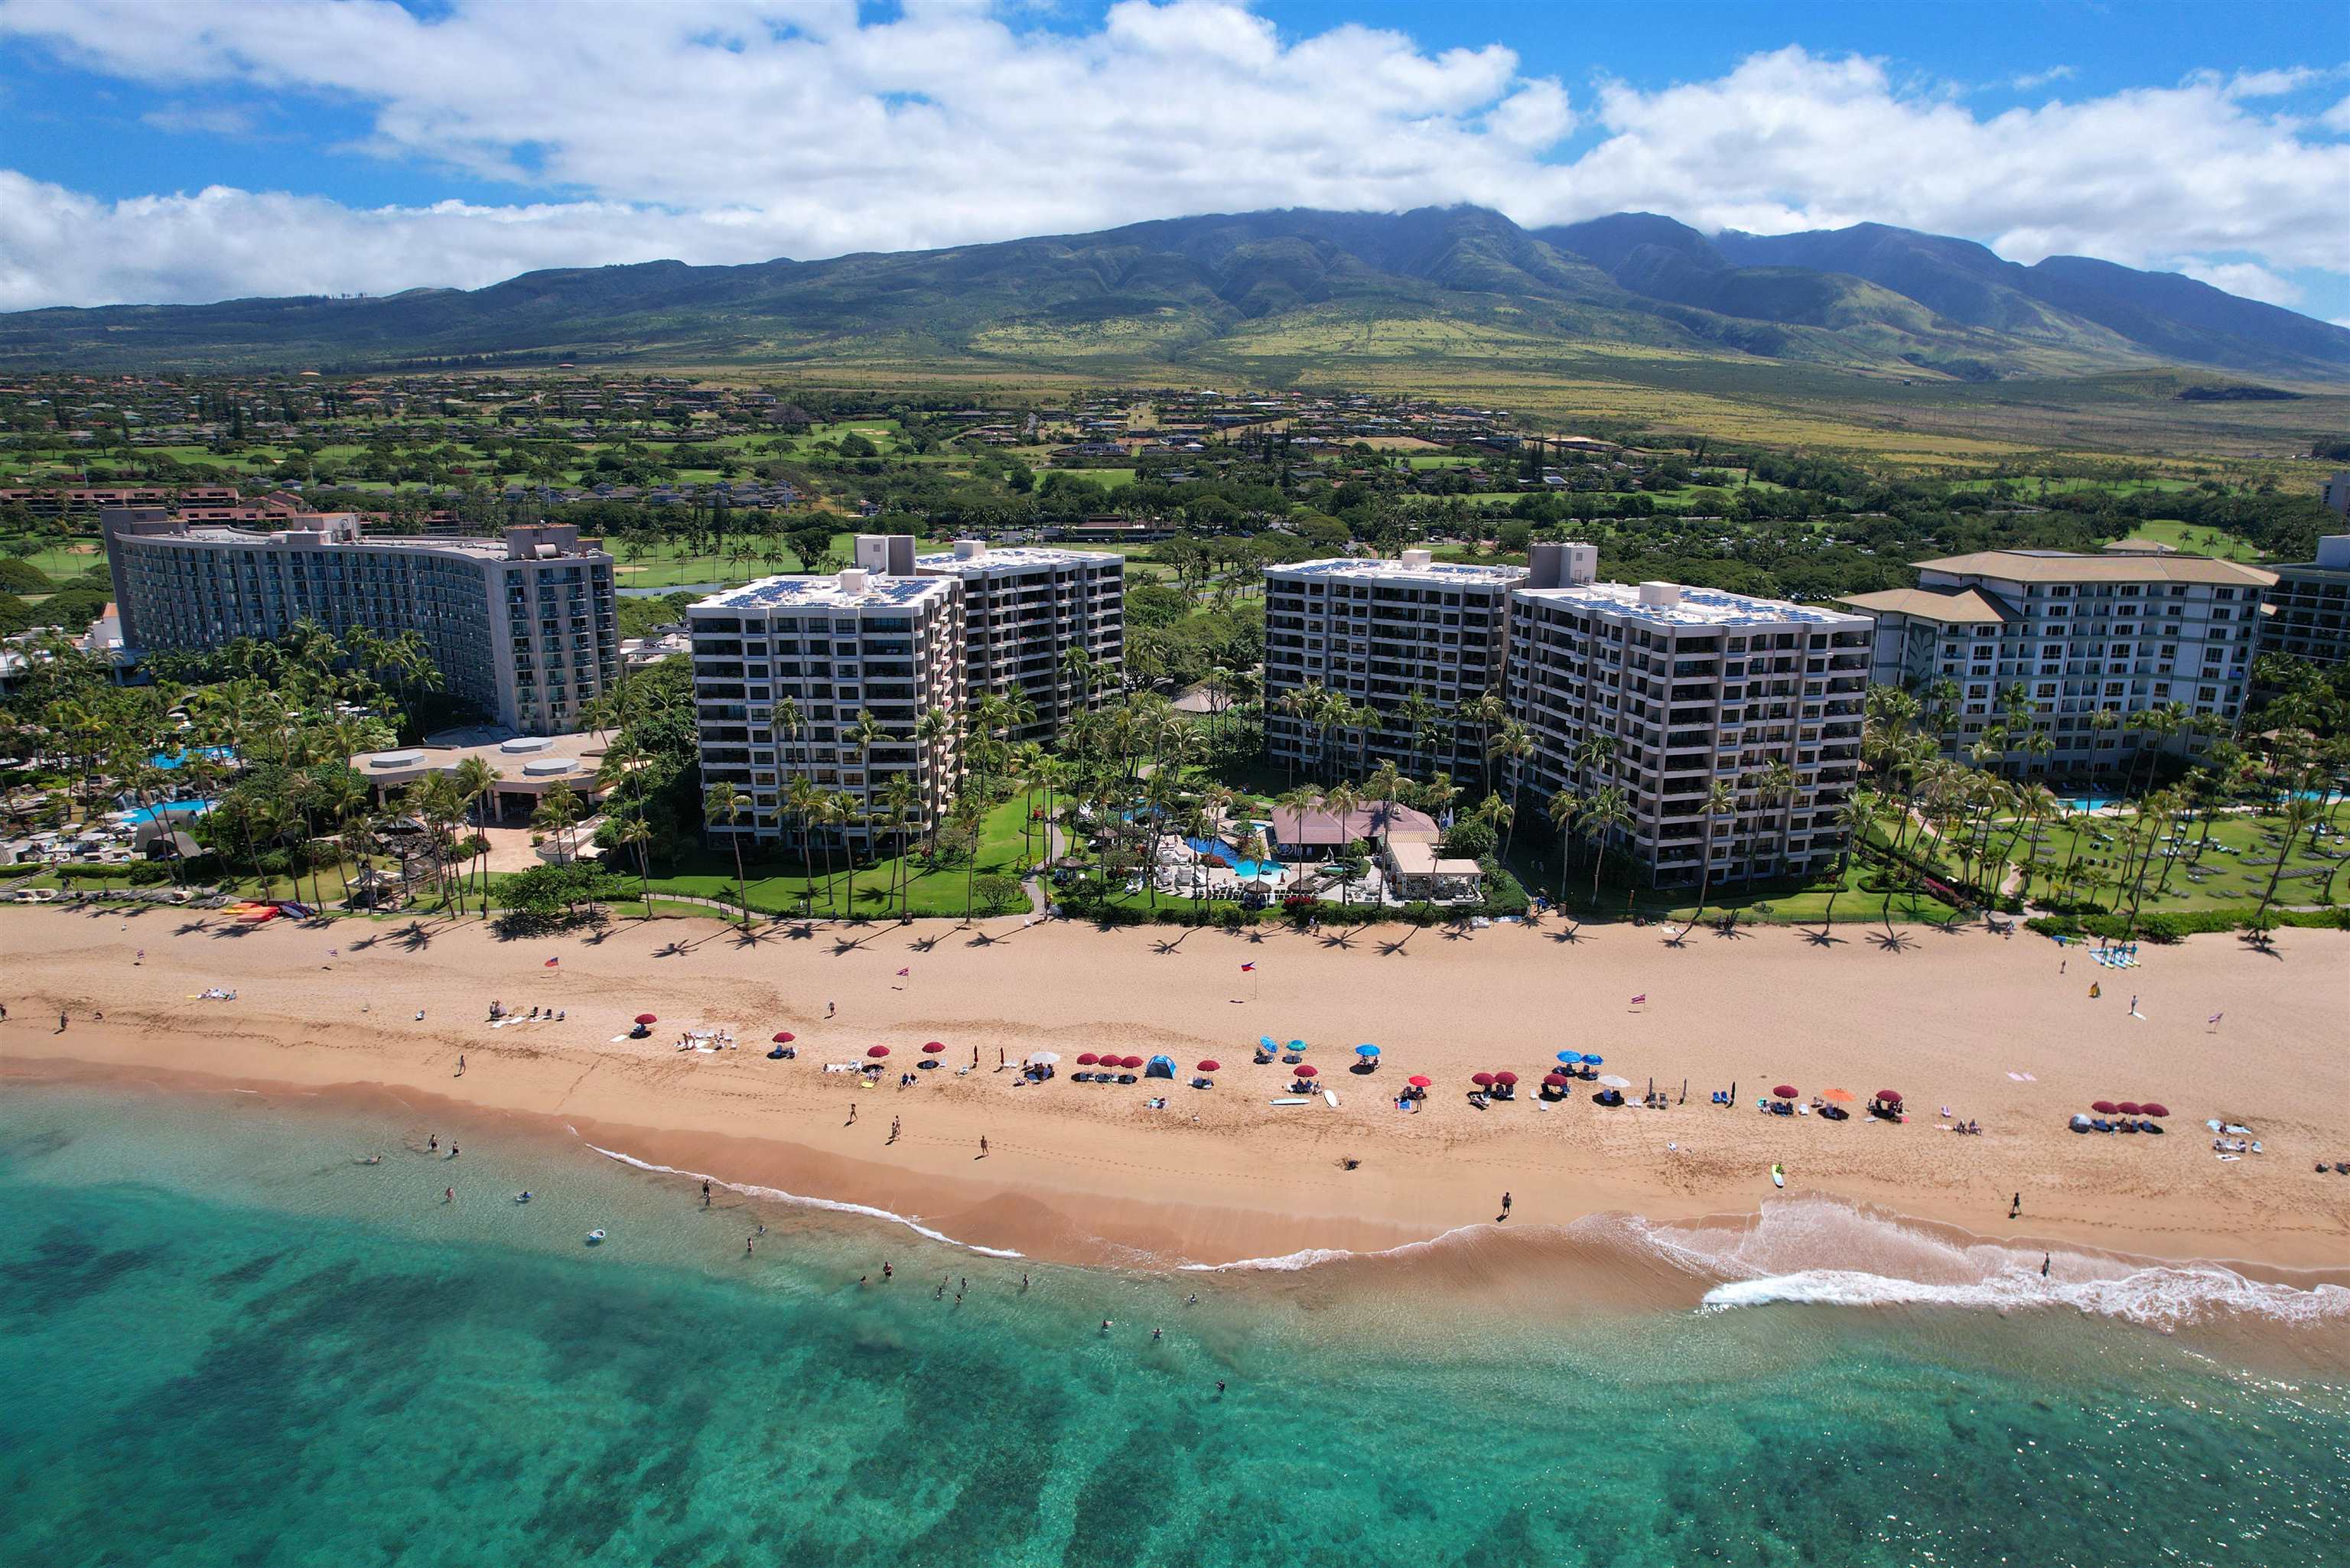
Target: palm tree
{"points": [[1513, 744], [1561, 808], [1609, 813], [725, 804], [930, 731], [1416, 716], [1852, 819], [475, 779], [1719, 803], [2299, 814], [900, 796], [799, 799]]}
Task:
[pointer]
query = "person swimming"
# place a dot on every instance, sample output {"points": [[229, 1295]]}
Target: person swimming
{"points": [[522, 1196]]}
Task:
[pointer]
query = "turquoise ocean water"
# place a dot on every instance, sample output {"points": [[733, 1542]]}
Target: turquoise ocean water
{"points": [[222, 1341]]}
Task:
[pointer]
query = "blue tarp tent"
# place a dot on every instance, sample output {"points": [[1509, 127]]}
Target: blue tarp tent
{"points": [[1160, 1068]]}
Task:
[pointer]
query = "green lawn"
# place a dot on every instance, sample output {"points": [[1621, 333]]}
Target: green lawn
{"points": [[1107, 478], [666, 563], [2194, 540], [2230, 870], [62, 562], [1781, 903], [776, 887]]}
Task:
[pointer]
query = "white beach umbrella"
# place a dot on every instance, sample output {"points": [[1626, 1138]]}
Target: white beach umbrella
{"points": [[1043, 1058], [1612, 1082]]}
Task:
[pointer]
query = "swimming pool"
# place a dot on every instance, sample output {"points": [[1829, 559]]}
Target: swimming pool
{"points": [[2090, 803], [1249, 870], [146, 814], [169, 760]]}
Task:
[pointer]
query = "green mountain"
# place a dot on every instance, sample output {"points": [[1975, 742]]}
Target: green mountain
{"points": [[1264, 294]]}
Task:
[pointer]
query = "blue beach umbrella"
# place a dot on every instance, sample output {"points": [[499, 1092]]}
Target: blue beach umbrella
{"points": [[1570, 1058], [1297, 1045], [1367, 1050], [1591, 1061], [1266, 1041]]}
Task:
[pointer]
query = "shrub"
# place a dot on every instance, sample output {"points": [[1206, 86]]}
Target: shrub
{"points": [[23, 577], [1471, 839]]}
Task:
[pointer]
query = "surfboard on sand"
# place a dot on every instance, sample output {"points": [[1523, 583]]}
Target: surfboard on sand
{"points": [[1331, 1095], [1298, 1101], [1778, 1176]]}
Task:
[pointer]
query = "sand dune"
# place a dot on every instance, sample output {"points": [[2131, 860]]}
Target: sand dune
{"points": [[1984, 1026]]}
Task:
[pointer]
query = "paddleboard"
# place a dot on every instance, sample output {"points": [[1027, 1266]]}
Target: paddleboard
{"points": [[1294, 1102], [1778, 1176], [1330, 1095]]}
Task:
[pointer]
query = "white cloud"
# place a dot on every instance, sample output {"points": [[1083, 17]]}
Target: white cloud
{"points": [[2030, 80], [716, 131], [2248, 278]]}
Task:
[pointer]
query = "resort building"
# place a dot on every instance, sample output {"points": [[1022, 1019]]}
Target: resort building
{"points": [[2308, 608], [835, 646], [1025, 609], [2090, 640], [1376, 632], [522, 627], [524, 769], [1683, 688]]}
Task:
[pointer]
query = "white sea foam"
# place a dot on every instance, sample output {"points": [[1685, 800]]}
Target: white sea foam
{"points": [[1821, 1253], [777, 1194], [1312, 1257], [2158, 1297]]}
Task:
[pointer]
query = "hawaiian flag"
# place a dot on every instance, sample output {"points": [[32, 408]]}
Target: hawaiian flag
{"points": [[2215, 1018], [1246, 967], [1640, 999]]}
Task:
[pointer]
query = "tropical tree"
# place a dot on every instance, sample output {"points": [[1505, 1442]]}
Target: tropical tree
{"points": [[1719, 803], [724, 803], [1561, 808], [1609, 813], [1512, 742]]}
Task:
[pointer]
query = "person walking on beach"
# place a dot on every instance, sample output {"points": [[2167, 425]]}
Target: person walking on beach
{"points": [[61, 1023], [454, 1151], [893, 1130], [1505, 1205], [852, 1113], [460, 1064], [2044, 1264], [2015, 1205], [2134, 1013], [983, 1146], [829, 1008], [888, 1270], [432, 1144], [705, 1195], [139, 960]]}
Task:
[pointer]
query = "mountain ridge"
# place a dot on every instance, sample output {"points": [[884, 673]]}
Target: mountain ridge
{"points": [[1194, 291]]}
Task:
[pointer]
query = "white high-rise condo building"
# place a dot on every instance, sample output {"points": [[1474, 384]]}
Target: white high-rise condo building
{"points": [[1025, 609], [2083, 636], [835, 646], [1683, 688], [523, 625], [1376, 632], [2309, 606]]}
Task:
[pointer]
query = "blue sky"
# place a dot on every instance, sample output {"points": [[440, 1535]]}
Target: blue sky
{"points": [[200, 149]]}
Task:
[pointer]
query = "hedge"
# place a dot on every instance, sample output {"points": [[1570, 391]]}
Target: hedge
{"points": [[2167, 927]]}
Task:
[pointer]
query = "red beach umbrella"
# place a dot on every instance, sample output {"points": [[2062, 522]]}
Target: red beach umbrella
{"points": [[2104, 1107], [1309, 1070], [1129, 1063], [1482, 1080], [2129, 1107], [1785, 1091], [647, 1018], [1087, 1059], [932, 1048], [1419, 1082], [1891, 1096], [1209, 1067], [1506, 1077], [785, 1037], [1553, 1080], [2151, 1109], [877, 1052]]}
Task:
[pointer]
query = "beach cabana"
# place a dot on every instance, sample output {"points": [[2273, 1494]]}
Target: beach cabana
{"points": [[1160, 1068]]}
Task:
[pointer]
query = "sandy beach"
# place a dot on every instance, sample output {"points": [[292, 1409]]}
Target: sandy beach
{"points": [[1986, 1026]]}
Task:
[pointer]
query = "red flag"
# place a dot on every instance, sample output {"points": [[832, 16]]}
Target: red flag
{"points": [[906, 971], [1246, 967], [552, 962], [1640, 999]]}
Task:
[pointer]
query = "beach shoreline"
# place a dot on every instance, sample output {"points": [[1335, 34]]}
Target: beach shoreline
{"points": [[1085, 1173]]}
